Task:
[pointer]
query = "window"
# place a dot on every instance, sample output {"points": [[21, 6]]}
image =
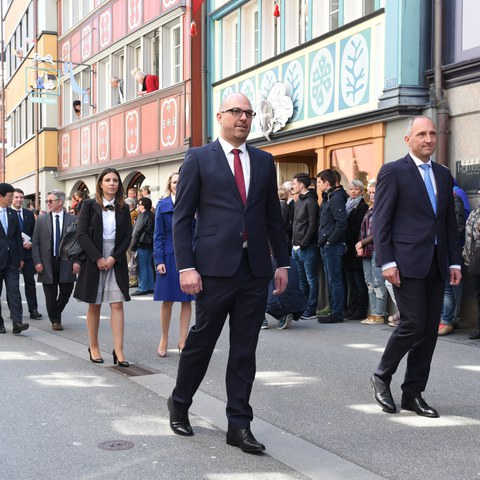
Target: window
{"points": [[67, 103], [271, 33], [104, 89], [152, 52], [134, 60], [229, 44], [368, 6], [172, 55], [333, 14], [354, 162], [249, 50]]}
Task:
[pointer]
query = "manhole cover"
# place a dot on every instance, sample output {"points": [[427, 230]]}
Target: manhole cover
{"points": [[116, 445]]}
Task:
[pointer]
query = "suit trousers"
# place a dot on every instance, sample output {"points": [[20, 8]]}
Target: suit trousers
{"points": [[243, 298], [11, 275], [28, 272], [419, 302], [57, 294]]}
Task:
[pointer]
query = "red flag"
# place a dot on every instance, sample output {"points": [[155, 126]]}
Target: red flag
{"points": [[196, 4]]}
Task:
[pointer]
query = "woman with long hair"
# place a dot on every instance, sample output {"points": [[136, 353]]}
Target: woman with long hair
{"points": [[167, 285], [104, 232]]}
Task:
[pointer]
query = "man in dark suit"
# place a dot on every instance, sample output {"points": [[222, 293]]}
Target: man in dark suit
{"points": [[56, 275], [416, 243], [230, 189], [11, 259], [26, 219]]}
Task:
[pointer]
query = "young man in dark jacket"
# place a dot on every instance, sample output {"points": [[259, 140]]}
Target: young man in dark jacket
{"points": [[304, 240], [331, 240]]}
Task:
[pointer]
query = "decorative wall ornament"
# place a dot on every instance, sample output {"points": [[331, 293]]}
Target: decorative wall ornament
{"points": [[275, 110]]}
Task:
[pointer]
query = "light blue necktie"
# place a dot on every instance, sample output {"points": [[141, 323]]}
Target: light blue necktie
{"points": [[4, 220], [429, 186]]}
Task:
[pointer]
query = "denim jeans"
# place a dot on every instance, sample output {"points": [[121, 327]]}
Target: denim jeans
{"points": [[332, 264], [377, 291], [307, 266], [451, 302], [145, 269]]}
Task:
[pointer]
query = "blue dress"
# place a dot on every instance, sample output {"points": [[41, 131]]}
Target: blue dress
{"points": [[167, 286]]}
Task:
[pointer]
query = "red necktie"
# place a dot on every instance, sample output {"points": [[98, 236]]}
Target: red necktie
{"points": [[238, 172]]}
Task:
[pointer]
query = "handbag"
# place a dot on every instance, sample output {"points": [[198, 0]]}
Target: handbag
{"points": [[367, 251], [70, 249], [474, 265]]}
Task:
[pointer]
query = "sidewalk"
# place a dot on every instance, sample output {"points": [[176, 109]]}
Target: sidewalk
{"points": [[58, 408]]}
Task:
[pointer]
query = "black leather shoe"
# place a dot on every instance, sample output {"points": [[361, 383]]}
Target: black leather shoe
{"points": [[179, 422], [244, 440], [20, 327], [475, 336], [2, 329], [330, 319], [35, 315], [383, 395], [419, 406]]}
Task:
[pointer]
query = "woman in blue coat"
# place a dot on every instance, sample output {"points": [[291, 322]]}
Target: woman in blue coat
{"points": [[167, 285]]}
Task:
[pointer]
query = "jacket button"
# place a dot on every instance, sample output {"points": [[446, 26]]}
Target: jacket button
{"points": [[241, 234]]}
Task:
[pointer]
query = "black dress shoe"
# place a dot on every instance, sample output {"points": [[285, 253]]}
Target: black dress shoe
{"points": [[383, 395], [330, 319], [244, 440], [20, 327], [419, 406], [179, 422], [35, 315], [2, 329], [475, 336]]}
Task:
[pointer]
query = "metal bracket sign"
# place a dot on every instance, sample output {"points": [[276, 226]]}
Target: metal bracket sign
{"points": [[42, 84]]}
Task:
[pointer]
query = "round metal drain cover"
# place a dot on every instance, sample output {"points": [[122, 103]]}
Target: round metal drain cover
{"points": [[116, 445]]}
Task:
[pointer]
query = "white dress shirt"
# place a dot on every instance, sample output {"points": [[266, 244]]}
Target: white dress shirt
{"points": [[108, 218]]}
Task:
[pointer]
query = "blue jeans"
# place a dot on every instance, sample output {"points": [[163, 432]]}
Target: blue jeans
{"points": [[145, 269], [306, 261], [332, 264], [377, 291], [451, 300]]}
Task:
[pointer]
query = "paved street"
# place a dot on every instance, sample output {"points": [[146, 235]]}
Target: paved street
{"points": [[313, 405]]}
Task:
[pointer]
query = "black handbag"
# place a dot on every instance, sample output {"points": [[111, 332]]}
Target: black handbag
{"points": [[474, 265], [70, 249]]}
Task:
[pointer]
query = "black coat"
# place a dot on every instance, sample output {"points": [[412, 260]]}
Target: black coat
{"points": [[352, 235], [90, 237]]}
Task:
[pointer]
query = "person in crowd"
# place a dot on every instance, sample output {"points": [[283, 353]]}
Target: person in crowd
{"points": [[167, 286], [79, 196], [453, 293], [105, 232], [142, 243], [56, 275], [119, 96], [365, 249], [356, 208], [133, 193], [226, 262], [472, 242], [283, 197], [77, 108], [291, 208], [304, 241], [416, 243], [11, 259], [459, 192], [26, 219], [331, 240], [149, 83], [290, 304], [131, 202], [145, 190]]}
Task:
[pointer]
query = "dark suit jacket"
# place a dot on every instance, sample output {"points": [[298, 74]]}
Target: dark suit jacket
{"points": [[11, 244], [42, 249], [28, 228], [90, 237], [405, 226], [207, 191]]}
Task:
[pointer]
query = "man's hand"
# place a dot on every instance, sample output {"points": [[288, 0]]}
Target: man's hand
{"points": [[27, 245], [39, 267], [281, 280], [191, 282], [392, 275], [455, 276], [22, 263]]}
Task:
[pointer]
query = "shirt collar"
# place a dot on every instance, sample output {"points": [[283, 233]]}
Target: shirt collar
{"points": [[108, 202], [227, 147], [419, 162]]}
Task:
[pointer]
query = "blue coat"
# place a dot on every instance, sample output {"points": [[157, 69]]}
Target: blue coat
{"points": [[162, 237]]}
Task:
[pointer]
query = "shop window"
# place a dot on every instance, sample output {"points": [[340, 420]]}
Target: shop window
{"points": [[355, 162]]}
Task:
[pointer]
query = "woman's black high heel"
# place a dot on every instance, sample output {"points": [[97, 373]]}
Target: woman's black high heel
{"points": [[116, 360], [94, 360]]}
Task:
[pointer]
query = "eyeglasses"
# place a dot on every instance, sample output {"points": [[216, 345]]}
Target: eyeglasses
{"points": [[238, 112], [51, 201]]}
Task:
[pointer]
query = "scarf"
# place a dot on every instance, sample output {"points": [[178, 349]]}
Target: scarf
{"points": [[352, 204]]}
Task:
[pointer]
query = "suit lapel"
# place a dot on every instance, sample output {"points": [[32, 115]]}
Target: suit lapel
{"points": [[253, 174], [420, 183]]}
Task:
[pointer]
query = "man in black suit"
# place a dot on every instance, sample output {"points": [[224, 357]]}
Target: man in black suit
{"points": [[26, 219], [230, 189], [416, 243], [11, 259]]}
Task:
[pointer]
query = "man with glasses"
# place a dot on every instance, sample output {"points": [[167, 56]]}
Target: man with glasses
{"points": [[56, 275], [230, 189], [11, 259]]}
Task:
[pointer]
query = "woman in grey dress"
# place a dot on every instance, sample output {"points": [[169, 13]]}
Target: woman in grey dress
{"points": [[104, 232]]}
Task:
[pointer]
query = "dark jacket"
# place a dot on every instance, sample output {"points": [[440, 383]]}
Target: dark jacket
{"points": [[352, 235], [142, 236], [11, 244], [28, 228], [90, 237], [305, 220], [333, 217]]}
